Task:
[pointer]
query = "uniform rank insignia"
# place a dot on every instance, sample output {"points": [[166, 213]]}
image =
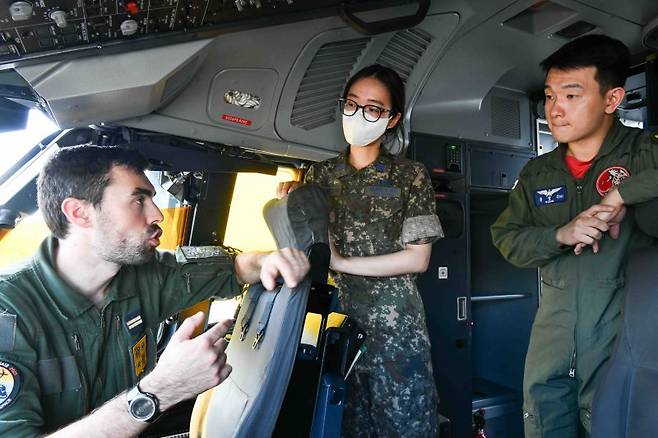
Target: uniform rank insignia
{"points": [[551, 195], [139, 356], [10, 384], [610, 178], [134, 322]]}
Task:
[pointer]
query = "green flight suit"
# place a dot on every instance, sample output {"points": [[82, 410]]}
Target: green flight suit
{"points": [[578, 316], [69, 357]]}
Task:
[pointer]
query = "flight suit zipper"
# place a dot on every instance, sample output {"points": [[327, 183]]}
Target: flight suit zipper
{"points": [[77, 346], [572, 362], [126, 376], [188, 282]]}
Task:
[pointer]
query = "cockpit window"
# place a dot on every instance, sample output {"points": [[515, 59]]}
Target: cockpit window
{"points": [[15, 144]]}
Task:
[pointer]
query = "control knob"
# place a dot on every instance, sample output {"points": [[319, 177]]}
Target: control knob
{"points": [[59, 17], [129, 27], [20, 11]]}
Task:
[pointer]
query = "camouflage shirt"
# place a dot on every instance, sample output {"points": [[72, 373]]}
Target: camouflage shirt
{"points": [[378, 210]]}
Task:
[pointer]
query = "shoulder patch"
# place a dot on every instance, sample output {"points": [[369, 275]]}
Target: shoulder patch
{"points": [[610, 178], [10, 384], [550, 195]]}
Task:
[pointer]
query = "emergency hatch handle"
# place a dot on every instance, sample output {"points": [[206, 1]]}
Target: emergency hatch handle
{"points": [[383, 26], [461, 308]]}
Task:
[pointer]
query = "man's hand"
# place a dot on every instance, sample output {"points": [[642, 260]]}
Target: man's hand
{"points": [[286, 187], [585, 228], [613, 219], [290, 263], [189, 366]]}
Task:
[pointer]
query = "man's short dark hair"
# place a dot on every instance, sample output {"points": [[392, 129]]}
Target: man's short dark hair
{"points": [[611, 58], [80, 172]]}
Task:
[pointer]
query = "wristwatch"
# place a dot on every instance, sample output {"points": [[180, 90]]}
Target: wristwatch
{"points": [[142, 406]]}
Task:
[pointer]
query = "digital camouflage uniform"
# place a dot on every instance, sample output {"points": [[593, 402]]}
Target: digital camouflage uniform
{"points": [[378, 210], [62, 357], [578, 316]]}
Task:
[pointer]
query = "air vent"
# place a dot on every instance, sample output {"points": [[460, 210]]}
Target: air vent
{"points": [[505, 117], [576, 29], [542, 17], [404, 50], [315, 102]]}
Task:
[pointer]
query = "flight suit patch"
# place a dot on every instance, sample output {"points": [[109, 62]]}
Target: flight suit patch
{"points": [[550, 195], [133, 321], [7, 332], [383, 191], [139, 356], [611, 178], [10, 384]]}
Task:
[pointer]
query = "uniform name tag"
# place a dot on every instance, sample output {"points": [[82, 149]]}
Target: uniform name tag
{"points": [[551, 195], [139, 356], [384, 191]]}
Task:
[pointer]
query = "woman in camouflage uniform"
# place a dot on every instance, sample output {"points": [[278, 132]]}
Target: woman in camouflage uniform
{"points": [[382, 226]]}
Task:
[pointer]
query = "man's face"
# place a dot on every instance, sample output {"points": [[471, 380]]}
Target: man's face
{"points": [[575, 108], [127, 219]]}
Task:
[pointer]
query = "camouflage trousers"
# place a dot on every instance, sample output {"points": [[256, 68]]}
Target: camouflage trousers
{"points": [[392, 399]]}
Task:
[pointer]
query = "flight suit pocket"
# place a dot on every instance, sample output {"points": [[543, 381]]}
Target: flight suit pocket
{"points": [[552, 288], [606, 307], [62, 392], [554, 299], [384, 223]]}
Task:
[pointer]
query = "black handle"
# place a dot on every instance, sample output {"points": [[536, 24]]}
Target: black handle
{"points": [[388, 25]]}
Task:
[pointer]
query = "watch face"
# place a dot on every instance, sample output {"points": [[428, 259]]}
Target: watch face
{"points": [[142, 408]]}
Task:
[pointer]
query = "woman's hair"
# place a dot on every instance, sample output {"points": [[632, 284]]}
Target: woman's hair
{"points": [[393, 83]]}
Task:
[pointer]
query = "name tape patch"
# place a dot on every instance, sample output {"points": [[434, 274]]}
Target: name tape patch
{"points": [[550, 195]]}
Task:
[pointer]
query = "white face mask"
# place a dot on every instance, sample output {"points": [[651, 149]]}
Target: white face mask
{"points": [[360, 132]]}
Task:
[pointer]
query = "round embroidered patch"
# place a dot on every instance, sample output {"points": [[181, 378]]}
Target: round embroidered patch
{"points": [[609, 178], [10, 384]]}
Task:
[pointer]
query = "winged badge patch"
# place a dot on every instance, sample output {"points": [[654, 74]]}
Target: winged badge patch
{"points": [[550, 195]]}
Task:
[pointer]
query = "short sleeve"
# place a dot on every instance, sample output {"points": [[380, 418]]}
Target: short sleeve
{"points": [[421, 224]]}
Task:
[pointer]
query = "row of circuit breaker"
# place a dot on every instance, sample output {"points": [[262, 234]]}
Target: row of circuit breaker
{"points": [[30, 28]]}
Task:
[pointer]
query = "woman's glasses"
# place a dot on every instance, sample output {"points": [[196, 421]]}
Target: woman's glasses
{"points": [[371, 113]]}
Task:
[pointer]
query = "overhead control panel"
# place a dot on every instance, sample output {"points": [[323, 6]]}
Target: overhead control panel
{"points": [[33, 29]]}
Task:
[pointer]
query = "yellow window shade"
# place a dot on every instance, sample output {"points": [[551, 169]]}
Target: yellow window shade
{"points": [[246, 228]]}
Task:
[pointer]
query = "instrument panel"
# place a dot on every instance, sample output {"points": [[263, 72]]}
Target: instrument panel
{"points": [[32, 29]]}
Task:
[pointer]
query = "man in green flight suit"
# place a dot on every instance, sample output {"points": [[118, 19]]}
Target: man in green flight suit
{"points": [[568, 215], [77, 323]]}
